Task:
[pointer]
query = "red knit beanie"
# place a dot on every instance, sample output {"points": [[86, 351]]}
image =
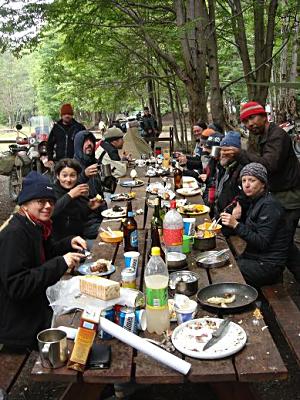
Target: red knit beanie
{"points": [[251, 108], [66, 109]]}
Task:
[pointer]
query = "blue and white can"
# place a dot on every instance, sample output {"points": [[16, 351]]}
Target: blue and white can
{"points": [[109, 314]]}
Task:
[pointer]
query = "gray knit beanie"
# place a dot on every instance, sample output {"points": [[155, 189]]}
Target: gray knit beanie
{"points": [[257, 170]]}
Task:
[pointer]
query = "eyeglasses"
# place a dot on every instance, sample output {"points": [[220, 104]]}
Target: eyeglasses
{"points": [[43, 202]]}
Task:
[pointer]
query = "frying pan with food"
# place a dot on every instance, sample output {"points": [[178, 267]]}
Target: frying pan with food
{"points": [[243, 296]]}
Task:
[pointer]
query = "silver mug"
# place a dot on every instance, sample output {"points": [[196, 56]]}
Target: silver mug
{"points": [[105, 170], [215, 151], [53, 348]]}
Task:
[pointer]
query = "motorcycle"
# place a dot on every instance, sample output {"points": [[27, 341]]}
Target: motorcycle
{"points": [[293, 130], [31, 156]]}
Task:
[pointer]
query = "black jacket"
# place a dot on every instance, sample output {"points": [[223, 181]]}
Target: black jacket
{"points": [[24, 308], [276, 153], [264, 231], [61, 140], [69, 214]]}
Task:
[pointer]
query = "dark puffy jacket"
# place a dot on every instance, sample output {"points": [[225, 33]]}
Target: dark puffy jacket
{"points": [[264, 231], [61, 140], [24, 308], [69, 214], [95, 186], [276, 153]]}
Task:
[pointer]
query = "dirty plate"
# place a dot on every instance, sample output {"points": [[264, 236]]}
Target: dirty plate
{"points": [[114, 214], [132, 183], [85, 269], [190, 337], [189, 192]]}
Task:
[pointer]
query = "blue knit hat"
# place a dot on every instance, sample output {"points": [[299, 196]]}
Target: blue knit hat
{"points": [[232, 139], [36, 186]]}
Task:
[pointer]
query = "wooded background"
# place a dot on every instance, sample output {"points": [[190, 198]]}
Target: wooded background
{"points": [[105, 57]]}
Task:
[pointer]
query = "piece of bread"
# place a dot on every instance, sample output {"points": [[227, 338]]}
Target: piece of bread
{"points": [[101, 288]]}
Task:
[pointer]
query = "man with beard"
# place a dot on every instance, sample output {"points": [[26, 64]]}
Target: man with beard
{"points": [[227, 178], [62, 135], [275, 152], [84, 153]]}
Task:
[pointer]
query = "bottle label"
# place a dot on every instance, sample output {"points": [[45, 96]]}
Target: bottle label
{"points": [[134, 238], [173, 237], [157, 298]]}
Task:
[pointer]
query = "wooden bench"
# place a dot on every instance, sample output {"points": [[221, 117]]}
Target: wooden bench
{"points": [[283, 307], [11, 365]]}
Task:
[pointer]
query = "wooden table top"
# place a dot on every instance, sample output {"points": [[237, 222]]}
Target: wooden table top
{"points": [[258, 361]]}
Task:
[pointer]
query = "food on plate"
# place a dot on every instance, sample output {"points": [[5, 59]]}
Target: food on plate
{"points": [[117, 209], [108, 238], [123, 196], [166, 196], [100, 288], [100, 266], [223, 301], [99, 197], [193, 209]]}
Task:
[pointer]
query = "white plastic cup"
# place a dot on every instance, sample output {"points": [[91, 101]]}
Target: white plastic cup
{"points": [[186, 314], [131, 259], [189, 225]]}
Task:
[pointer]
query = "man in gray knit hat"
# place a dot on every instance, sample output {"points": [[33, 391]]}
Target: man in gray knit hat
{"points": [[263, 229]]}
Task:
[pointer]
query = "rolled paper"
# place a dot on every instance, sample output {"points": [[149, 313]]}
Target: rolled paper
{"points": [[142, 345]]}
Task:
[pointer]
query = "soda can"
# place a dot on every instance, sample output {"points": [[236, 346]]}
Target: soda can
{"points": [[128, 277], [132, 298], [109, 314], [141, 321], [126, 319]]}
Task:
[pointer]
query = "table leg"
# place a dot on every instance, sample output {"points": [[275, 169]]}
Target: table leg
{"points": [[233, 391], [79, 391]]}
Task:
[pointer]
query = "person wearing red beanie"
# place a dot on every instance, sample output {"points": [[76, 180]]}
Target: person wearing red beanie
{"points": [[275, 151], [61, 138]]}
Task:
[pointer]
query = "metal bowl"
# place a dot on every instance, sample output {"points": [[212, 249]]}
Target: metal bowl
{"points": [[184, 282], [208, 259], [176, 260], [204, 244]]}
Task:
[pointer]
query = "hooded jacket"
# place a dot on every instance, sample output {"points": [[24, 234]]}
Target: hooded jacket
{"points": [[95, 185], [61, 140], [24, 307], [264, 231]]}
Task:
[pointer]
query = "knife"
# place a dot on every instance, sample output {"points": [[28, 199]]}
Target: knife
{"points": [[218, 334]]}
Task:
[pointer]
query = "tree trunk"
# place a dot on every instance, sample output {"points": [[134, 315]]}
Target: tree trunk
{"points": [[216, 98], [173, 112]]}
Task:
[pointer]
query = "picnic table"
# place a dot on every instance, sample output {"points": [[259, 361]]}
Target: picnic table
{"points": [[258, 361]]}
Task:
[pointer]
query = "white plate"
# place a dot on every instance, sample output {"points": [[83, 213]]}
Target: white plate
{"points": [[184, 339], [185, 211], [113, 214], [85, 269], [189, 192]]}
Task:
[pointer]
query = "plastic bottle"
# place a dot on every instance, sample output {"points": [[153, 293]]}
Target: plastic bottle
{"points": [[173, 229], [156, 280]]}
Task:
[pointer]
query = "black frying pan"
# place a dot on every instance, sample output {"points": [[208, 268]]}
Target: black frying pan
{"points": [[244, 295]]}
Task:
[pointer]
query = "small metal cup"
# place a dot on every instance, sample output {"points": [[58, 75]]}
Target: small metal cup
{"points": [[215, 151], [53, 348], [105, 170]]}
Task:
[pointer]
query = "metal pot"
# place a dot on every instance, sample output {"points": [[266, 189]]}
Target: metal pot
{"points": [[215, 151], [184, 282], [204, 244], [176, 260]]}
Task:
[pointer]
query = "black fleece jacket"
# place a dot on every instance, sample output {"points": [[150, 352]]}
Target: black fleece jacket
{"points": [[24, 308]]}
